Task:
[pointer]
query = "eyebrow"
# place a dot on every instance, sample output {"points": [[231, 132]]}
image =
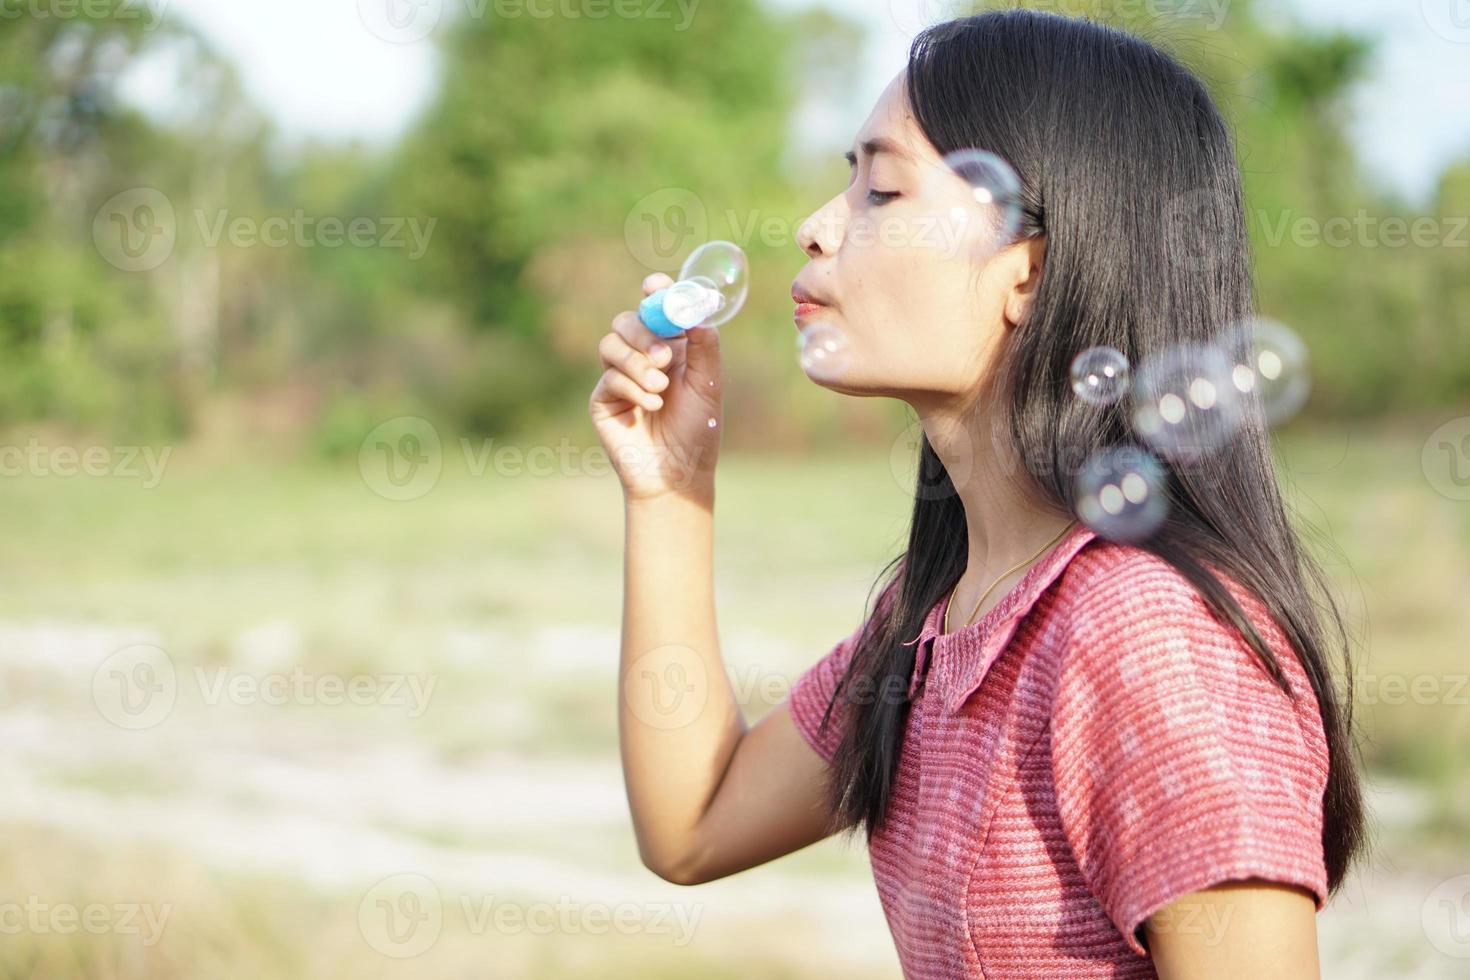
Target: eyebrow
{"points": [[875, 146]]}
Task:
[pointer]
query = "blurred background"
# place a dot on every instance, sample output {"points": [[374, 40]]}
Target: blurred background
{"points": [[311, 562]]}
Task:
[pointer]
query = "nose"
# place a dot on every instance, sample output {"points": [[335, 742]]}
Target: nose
{"points": [[821, 233]]}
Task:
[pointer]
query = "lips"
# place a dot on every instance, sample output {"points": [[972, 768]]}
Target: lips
{"points": [[806, 303]]}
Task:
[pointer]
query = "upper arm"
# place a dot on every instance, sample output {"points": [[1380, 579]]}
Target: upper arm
{"points": [[1179, 765], [1253, 928], [770, 802], [772, 799]]}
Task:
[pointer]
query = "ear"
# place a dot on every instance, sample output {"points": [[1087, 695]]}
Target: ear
{"points": [[1024, 261]]}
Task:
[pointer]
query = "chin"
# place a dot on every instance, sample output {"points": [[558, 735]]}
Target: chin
{"points": [[847, 383]]}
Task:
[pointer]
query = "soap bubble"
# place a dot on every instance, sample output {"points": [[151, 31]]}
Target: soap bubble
{"points": [[1185, 401], [978, 190], [1100, 375], [1268, 361], [719, 266], [823, 351], [1121, 493], [690, 302]]}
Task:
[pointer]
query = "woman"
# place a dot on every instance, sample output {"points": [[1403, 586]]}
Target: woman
{"points": [[1107, 759]]}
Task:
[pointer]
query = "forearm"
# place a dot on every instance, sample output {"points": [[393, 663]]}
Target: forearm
{"points": [[678, 720]]}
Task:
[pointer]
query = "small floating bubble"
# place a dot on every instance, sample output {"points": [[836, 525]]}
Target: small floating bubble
{"points": [[1100, 375]]}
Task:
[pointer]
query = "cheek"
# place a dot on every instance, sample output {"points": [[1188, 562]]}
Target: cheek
{"points": [[938, 293], [898, 275], [910, 295]]}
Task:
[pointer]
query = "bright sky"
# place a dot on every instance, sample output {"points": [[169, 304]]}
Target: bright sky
{"points": [[360, 68]]}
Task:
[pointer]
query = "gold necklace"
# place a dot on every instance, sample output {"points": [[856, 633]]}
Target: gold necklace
{"points": [[1002, 578]]}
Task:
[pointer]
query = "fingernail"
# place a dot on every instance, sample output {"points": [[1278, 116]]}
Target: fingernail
{"points": [[659, 350]]}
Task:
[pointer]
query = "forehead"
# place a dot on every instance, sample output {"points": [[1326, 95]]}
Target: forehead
{"points": [[892, 118]]}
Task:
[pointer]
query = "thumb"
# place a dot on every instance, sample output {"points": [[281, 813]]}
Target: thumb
{"points": [[702, 356]]}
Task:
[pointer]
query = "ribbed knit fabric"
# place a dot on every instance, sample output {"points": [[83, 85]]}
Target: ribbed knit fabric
{"points": [[1095, 746]]}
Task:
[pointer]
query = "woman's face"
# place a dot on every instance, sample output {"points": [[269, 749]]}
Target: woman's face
{"points": [[898, 262]]}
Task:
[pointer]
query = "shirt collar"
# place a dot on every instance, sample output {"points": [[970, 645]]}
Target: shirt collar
{"points": [[965, 655]]}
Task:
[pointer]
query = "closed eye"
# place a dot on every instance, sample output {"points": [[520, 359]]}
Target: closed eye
{"points": [[881, 197]]}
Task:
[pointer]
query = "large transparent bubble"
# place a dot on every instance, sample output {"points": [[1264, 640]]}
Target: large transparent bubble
{"points": [[1121, 493], [977, 197], [1268, 362], [719, 271], [1185, 402], [824, 353]]}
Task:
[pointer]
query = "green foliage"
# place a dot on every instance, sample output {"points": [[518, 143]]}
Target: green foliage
{"points": [[528, 171]]}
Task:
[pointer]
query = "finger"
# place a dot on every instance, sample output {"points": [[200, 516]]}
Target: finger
{"points": [[617, 352], [703, 355], [616, 386], [660, 350], [604, 400], [655, 281]]}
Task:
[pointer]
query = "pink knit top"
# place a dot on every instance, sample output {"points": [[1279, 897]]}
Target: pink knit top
{"points": [[1093, 747]]}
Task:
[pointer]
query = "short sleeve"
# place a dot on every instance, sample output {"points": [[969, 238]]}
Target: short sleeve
{"points": [[812, 690], [1178, 762]]}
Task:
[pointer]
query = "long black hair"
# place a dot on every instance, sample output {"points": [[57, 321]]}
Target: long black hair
{"points": [[1114, 141]]}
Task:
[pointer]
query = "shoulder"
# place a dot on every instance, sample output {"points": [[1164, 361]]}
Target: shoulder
{"points": [[1177, 761], [1150, 678], [1106, 581], [1122, 607]]}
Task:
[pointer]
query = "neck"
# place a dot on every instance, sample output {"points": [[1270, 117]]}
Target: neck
{"points": [[1006, 521]]}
